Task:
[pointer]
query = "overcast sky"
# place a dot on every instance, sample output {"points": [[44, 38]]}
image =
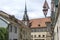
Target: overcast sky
{"points": [[16, 7]]}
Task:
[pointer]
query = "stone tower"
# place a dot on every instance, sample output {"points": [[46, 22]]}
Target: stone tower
{"points": [[25, 17], [52, 11]]}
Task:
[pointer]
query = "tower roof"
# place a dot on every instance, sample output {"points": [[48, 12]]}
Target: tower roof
{"points": [[39, 22], [45, 5], [25, 8]]}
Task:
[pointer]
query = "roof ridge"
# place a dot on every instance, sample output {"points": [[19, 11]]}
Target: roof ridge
{"points": [[39, 18]]}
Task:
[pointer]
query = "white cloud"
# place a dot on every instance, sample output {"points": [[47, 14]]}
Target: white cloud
{"points": [[16, 7]]}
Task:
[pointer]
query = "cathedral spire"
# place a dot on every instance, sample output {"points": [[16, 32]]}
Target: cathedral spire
{"points": [[25, 17]]}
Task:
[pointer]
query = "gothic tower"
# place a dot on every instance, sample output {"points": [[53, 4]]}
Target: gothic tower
{"points": [[25, 17], [45, 8]]}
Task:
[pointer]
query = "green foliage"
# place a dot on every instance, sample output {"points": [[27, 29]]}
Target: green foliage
{"points": [[3, 33]]}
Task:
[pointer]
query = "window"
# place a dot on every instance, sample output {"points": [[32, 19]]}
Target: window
{"points": [[31, 36], [33, 30], [21, 36], [39, 29], [56, 2], [39, 35], [14, 39], [43, 35], [39, 39], [10, 27], [34, 35], [43, 39], [21, 29], [15, 29]]}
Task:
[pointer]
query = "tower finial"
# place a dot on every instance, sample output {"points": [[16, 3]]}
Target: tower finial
{"points": [[45, 5], [25, 7]]}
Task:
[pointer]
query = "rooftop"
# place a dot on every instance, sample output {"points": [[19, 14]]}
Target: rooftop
{"points": [[39, 22]]}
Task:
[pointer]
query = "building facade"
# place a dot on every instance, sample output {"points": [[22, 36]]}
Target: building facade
{"points": [[17, 30], [57, 22], [39, 29]]}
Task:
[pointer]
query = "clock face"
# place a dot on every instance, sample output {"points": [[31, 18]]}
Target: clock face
{"points": [[25, 23]]}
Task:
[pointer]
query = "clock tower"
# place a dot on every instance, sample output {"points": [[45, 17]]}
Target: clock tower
{"points": [[25, 17]]}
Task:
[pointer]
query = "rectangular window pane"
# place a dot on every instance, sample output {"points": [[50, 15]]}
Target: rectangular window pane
{"points": [[10, 27], [15, 29], [14, 39]]}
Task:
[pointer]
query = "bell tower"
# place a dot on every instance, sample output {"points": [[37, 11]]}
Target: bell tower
{"points": [[25, 17], [45, 8]]}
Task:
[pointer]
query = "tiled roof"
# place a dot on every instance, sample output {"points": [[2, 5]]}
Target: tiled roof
{"points": [[40, 22]]}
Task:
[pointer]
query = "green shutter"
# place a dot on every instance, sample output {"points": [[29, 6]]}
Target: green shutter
{"points": [[56, 3]]}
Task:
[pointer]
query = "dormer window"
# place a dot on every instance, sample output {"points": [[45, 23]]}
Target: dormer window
{"points": [[39, 25]]}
